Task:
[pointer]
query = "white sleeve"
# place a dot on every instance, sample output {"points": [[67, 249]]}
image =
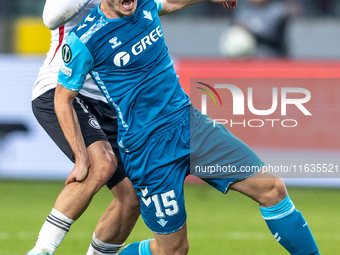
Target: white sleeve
{"points": [[59, 12]]}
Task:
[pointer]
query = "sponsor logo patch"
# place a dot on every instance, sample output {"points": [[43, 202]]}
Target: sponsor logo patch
{"points": [[121, 59], [67, 71]]}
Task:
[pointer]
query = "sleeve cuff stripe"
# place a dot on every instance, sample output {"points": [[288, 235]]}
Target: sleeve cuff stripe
{"points": [[69, 87]]}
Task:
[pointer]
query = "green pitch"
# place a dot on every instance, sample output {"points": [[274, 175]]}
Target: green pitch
{"points": [[217, 224]]}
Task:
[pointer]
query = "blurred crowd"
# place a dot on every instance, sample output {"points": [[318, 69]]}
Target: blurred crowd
{"points": [[313, 8], [258, 27], [308, 7]]}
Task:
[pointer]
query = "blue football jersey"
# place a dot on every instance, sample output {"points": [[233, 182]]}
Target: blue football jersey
{"points": [[128, 59]]}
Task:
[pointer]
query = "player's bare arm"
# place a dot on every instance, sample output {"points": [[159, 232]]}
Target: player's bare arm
{"points": [[69, 123], [59, 12], [171, 6]]}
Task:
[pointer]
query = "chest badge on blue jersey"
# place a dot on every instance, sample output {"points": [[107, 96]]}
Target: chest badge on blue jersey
{"points": [[147, 15], [115, 42]]}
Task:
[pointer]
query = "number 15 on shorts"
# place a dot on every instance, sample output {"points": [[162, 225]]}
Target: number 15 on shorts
{"points": [[167, 199], [163, 213]]}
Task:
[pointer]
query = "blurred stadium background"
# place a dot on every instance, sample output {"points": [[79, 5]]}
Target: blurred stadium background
{"points": [[301, 40]]}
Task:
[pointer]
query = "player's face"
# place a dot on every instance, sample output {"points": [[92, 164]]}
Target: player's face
{"points": [[122, 7]]}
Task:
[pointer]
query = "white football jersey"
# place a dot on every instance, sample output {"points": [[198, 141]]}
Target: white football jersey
{"points": [[48, 74]]}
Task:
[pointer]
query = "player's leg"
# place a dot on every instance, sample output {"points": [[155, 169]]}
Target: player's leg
{"points": [[117, 222], [216, 146], [75, 197], [286, 223], [175, 243], [121, 215], [265, 188]]}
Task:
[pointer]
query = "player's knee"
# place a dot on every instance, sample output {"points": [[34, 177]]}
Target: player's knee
{"points": [[103, 170], [108, 168], [275, 194]]}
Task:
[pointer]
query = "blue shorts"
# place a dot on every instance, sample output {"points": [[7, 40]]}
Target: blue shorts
{"points": [[158, 169]]}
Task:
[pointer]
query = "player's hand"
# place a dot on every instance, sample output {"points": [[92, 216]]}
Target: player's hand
{"points": [[230, 4], [78, 173]]}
